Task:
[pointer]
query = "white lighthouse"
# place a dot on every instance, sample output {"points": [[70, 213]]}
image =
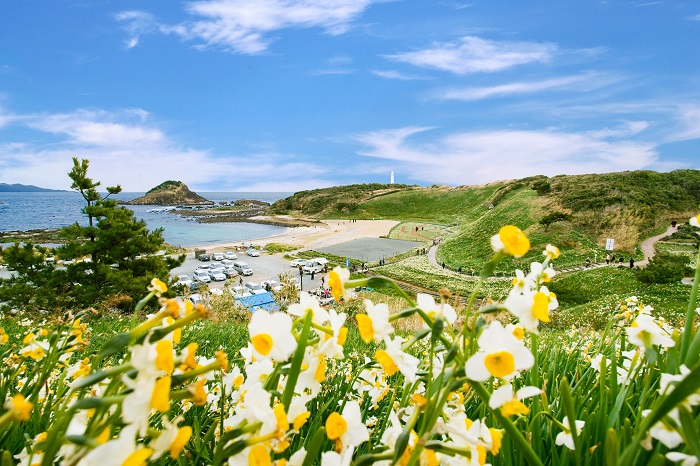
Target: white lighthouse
{"points": [[392, 177]]}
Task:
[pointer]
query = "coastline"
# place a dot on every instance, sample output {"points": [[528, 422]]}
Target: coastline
{"points": [[322, 233]]}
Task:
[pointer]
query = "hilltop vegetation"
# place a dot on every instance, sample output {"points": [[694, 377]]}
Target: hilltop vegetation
{"points": [[625, 206], [170, 193]]}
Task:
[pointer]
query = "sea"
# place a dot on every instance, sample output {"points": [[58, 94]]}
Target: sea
{"points": [[40, 210]]}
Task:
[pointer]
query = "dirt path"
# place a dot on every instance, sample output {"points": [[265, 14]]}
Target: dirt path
{"points": [[647, 245]]}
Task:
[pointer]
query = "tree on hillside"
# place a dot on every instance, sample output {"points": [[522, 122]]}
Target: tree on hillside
{"points": [[118, 257], [553, 218]]}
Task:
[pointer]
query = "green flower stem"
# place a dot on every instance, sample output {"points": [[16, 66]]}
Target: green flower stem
{"points": [[297, 360], [180, 378], [690, 316], [515, 435]]}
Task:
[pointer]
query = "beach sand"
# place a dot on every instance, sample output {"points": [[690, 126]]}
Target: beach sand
{"points": [[325, 233]]}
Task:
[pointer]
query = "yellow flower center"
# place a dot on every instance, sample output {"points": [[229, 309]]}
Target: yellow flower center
{"points": [[500, 364], [21, 408], [342, 335], [514, 240], [138, 458], [199, 394], [540, 310], [189, 359], [164, 358], [336, 426], [364, 324], [320, 375], [514, 407], [335, 284], [238, 381], [181, 439], [496, 440], [262, 343], [301, 419], [160, 398], [259, 456], [519, 333], [388, 364], [281, 417]]}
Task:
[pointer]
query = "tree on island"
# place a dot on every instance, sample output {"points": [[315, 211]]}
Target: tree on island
{"points": [[120, 255]]}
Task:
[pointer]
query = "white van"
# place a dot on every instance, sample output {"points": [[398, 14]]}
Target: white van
{"points": [[313, 266], [242, 268], [227, 263]]}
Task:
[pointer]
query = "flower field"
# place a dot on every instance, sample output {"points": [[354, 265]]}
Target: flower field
{"points": [[308, 386]]}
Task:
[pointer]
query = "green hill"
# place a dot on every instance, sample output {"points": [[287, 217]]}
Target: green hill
{"points": [[626, 206]]}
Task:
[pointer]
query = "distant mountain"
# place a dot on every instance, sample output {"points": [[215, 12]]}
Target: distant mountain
{"points": [[25, 188], [170, 193]]}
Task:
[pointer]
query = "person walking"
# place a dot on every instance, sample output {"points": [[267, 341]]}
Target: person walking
{"points": [[631, 262], [312, 274], [323, 281], [240, 281]]}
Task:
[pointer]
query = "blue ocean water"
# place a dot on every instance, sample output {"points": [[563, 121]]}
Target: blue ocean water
{"points": [[33, 211]]}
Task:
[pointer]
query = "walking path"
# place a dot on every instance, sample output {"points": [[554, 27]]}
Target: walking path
{"points": [[647, 247]]}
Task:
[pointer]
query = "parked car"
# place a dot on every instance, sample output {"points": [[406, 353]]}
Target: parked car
{"points": [[230, 272], [239, 291], [227, 263], [230, 255], [252, 252], [204, 257], [242, 268], [203, 268], [271, 285], [217, 275], [196, 298], [217, 256], [183, 280], [298, 263], [202, 276], [254, 288], [314, 267], [292, 281], [196, 286]]}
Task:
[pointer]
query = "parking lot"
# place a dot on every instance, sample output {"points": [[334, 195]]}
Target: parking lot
{"points": [[265, 267]]}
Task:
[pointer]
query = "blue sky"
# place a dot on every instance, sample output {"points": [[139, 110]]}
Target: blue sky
{"points": [[285, 95]]}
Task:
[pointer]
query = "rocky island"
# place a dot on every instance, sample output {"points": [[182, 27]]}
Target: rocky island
{"points": [[170, 193]]}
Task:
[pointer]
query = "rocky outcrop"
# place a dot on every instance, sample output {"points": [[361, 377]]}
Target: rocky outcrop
{"points": [[170, 193]]}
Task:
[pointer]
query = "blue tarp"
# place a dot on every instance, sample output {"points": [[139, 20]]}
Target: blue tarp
{"points": [[259, 301]]}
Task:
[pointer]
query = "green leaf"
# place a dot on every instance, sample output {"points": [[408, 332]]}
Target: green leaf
{"points": [[114, 345], [611, 448], [313, 451]]}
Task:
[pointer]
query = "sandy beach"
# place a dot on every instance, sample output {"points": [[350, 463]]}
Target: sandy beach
{"points": [[324, 233]]}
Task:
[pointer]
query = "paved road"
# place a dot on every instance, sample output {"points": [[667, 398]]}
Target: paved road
{"points": [[265, 267]]}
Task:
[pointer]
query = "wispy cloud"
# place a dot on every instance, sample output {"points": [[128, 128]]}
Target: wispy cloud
{"points": [[689, 117], [136, 23], [473, 55], [480, 156], [244, 26], [694, 17], [579, 83], [128, 148], [393, 74]]}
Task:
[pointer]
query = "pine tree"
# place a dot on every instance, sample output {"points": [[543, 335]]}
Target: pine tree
{"points": [[116, 252]]}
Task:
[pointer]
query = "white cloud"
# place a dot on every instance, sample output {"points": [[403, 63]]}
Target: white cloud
{"points": [[482, 156], [136, 23], [580, 83], [689, 117], [393, 74], [243, 26], [694, 17], [472, 55], [127, 148]]}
